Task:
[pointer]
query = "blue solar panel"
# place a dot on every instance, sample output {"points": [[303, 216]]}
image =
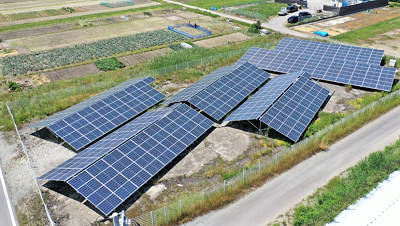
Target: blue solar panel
{"points": [[91, 154], [335, 70], [200, 85], [60, 115], [254, 107], [294, 110], [111, 180], [328, 50], [225, 94], [90, 123]]}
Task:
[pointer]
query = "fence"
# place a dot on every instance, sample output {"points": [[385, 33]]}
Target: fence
{"points": [[162, 215], [362, 6], [30, 166], [298, 2], [204, 34], [46, 99]]}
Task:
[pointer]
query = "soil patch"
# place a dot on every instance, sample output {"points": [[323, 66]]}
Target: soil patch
{"points": [[142, 57], [222, 40], [36, 31], [74, 72]]}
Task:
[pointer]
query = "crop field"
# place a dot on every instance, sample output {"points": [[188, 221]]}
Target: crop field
{"points": [[190, 30], [222, 40], [21, 64], [31, 15]]}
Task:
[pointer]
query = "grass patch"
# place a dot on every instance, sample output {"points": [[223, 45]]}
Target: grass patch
{"points": [[46, 23], [372, 31], [109, 64], [269, 9], [324, 119], [342, 191]]}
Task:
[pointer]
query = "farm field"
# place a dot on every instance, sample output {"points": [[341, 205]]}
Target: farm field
{"points": [[139, 58], [222, 40], [268, 9]]}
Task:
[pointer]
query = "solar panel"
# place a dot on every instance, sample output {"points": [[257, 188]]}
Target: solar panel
{"points": [[90, 123], [200, 85], [328, 50], [111, 180], [50, 120], [91, 154], [294, 110], [254, 107], [222, 96], [335, 70]]}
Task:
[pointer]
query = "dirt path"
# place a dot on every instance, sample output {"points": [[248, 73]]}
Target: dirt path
{"points": [[76, 14]]}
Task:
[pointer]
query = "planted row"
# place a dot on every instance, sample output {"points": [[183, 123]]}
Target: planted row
{"points": [[21, 64]]}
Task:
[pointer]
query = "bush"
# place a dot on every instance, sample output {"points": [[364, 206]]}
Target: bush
{"points": [[68, 9], [147, 13], [254, 30], [108, 64], [14, 86]]}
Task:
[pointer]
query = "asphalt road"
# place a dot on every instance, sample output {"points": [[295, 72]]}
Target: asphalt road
{"points": [[266, 203]]}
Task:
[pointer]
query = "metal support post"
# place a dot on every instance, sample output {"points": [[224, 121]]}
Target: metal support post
{"points": [[244, 173], [153, 73], [180, 205], [16, 103], [34, 99], [152, 218], [52, 95], [259, 167], [84, 87], [187, 64], [203, 196], [224, 185], [292, 150], [99, 86], [306, 141], [115, 219], [165, 213], [276, 157], [68, 91]]}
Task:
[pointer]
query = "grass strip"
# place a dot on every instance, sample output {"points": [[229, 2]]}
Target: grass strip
{"points": [[345, 189], [369, 32], [47, 23]]}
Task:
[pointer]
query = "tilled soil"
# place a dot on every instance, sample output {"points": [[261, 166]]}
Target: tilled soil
{"points": [[73, 72], [222, 40], [142, 57]]}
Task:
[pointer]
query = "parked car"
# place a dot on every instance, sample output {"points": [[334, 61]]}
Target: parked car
{"points": [[292, 8], [283, 11], [300, 17]]}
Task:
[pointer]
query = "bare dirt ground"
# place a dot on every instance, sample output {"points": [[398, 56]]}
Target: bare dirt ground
{"points": [[350, 22], [389, 41], [142, 57], [36, 31], [73, 72], [222, 40]]}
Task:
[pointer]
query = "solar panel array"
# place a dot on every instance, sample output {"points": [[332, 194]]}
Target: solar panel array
{"points": [[83, 159], [254, 107], [111, 180], [293, 111], [90, 123], [335, 70], [225, 94], [56, 117], [200, 85], [328, 50]]}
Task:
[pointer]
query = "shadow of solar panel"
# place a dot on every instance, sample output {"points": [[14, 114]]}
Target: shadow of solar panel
{"points": [[200, 85], [293, 111], [50, 120], [90, 123], [225, 94], [328, 69], [83, 159], [328, 50], [254, 107], [123, 171]]}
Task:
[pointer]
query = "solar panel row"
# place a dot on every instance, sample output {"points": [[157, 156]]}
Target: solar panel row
{"points": [[50, 120], [254, 107], [221, 97], [115, 177], [294, 110], [328, 50], [200, 85], [93, 121], [96, 151], [335, 70]]}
